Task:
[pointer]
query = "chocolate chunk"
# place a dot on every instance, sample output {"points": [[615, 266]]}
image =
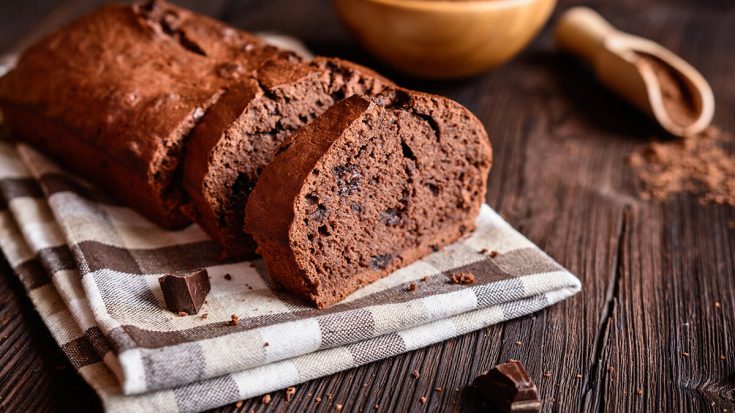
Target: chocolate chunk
{"points": [[185, 292], [509, 388], [348, 179], [391, 216], [379, 262], [320, 213]]}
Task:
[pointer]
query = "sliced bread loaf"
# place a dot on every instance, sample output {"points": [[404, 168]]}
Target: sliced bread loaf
{"points": [[114, 95], [235, 140], [369, 186]]}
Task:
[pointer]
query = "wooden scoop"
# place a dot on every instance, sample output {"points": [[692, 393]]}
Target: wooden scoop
{"points": [[642, 71]]}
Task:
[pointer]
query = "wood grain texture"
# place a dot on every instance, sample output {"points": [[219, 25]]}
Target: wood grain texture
{"points": [[651, 273]]}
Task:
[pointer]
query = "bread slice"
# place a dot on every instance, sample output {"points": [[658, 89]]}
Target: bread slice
{"points": [[236, 138], [114, 95], [368, 187]]}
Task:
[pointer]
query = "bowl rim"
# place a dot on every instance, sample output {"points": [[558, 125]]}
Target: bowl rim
{"points": [[452, 5]]}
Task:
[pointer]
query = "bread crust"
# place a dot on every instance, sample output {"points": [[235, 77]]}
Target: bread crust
{"points": [[125, 85]]}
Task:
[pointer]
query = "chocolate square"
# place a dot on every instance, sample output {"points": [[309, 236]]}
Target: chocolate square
{"points": [[509, 388], [185, 292]]}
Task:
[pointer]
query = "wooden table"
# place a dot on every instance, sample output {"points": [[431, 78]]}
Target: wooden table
{"points": [[651, 272]]}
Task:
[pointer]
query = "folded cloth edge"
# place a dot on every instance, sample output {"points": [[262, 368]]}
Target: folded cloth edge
{"points": [[253, 382]]}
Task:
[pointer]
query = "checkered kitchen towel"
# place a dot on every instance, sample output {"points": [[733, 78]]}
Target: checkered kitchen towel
{"points": [[91, 269]]}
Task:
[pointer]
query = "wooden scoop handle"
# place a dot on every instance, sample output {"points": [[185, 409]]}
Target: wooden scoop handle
{"points": [[582, 31]]}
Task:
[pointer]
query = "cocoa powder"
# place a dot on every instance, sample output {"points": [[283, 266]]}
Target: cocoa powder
{"points": [[678, 100], [698, 164], [702, 164]]}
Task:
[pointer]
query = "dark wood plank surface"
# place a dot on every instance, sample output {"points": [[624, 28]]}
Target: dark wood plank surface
{"points": [[652, 272]]}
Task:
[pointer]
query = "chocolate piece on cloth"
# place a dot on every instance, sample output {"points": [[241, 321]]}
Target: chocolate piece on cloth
{"points": [[509, 388], [185, 292]]}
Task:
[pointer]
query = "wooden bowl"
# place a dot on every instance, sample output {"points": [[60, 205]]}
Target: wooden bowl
{"points": [[441, 38]]}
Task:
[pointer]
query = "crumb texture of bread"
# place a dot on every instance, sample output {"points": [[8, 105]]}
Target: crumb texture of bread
{"points": [[237, 138], [368, 187]]}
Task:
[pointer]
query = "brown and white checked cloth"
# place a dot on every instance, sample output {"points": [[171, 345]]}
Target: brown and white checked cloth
{"points": [[91, 269]]}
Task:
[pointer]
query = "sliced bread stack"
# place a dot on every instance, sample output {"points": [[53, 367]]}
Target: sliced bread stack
{"points": [[236, 139], [179, 116]]}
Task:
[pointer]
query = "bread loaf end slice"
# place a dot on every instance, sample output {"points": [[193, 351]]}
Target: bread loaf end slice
{"points": [[370, 186], [114, 95]]}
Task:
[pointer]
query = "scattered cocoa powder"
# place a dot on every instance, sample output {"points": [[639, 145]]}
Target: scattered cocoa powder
{"points": [[462, 278], [228, 277], [699, 164]]}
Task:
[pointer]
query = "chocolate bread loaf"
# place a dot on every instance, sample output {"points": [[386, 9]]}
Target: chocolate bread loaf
{"points": [[114, 95], [369, 186], [236, 138]]}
